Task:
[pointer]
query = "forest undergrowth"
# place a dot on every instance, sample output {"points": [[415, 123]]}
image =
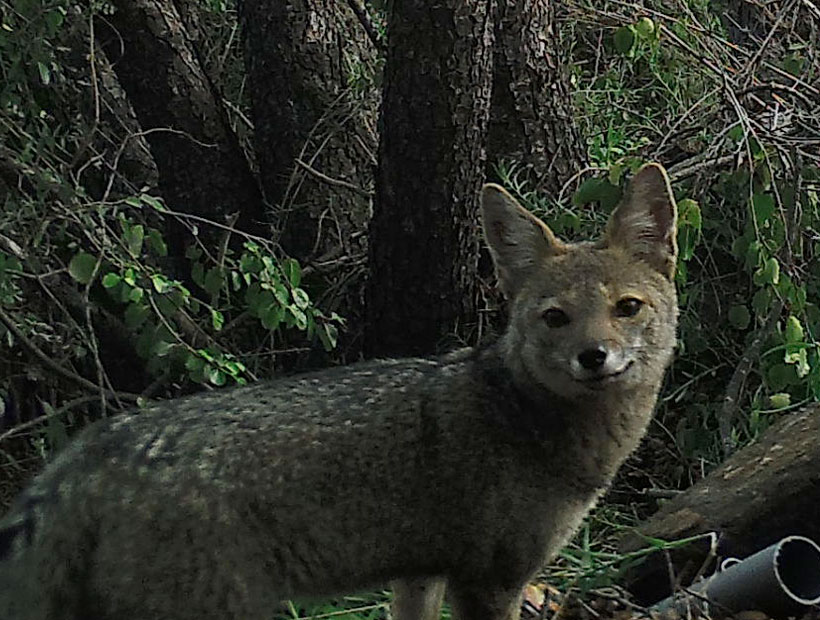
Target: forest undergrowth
{"points": [[727, 100]]}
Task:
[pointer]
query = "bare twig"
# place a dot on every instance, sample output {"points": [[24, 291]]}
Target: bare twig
{"points": [[731, 399], [56, 368], [367, 23], [24, 426], [331, 181]]}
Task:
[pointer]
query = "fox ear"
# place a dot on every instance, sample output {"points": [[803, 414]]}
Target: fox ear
{"points": [[518, 240], [645, 223]]}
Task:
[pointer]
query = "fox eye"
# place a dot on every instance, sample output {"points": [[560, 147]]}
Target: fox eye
{"points": [[555, 317], [628, 306]]}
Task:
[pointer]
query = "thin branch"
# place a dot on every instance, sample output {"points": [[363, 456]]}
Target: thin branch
{"points": [[56, 368], [367, 23], [332, 181], [731, 399], [24, 426]]}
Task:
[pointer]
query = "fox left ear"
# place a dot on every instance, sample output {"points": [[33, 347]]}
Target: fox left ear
{"points": [[645, 223]]}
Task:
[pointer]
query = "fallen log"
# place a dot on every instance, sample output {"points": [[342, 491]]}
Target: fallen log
{"points": [[763, 493]]}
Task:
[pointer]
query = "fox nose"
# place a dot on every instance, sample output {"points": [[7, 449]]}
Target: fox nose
{"points": [[592, 359]]}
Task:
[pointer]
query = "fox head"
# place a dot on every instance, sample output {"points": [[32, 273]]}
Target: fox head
{"points": [[587, 318]]}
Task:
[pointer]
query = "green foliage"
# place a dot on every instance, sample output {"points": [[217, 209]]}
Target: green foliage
{"points": [[178, 332], [653, 87], [72, 222]]}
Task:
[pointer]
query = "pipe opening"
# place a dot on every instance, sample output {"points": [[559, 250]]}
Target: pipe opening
{"points": [[797, 566]]}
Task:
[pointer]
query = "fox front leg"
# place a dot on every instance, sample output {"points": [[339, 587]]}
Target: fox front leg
{"points": [[485, 602], [417, 598]]}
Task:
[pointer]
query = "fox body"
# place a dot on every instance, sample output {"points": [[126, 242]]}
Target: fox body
{"points": [[468, 470]]}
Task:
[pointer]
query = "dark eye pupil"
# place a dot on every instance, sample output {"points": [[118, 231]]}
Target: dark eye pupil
{"points": [[629, 307], [555, 317]]}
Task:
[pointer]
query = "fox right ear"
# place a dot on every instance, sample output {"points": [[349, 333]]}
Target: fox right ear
{"points": [[645, 221], [517, 239]]}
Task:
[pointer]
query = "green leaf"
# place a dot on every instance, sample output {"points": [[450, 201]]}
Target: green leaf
{"points": [[135, 315], [597, 190], [249, 263], [779, 376], [739, 317], [781, 400], [214, 280], [736, 133], [134, 236], [206, 354], [769, 273], [299, 318], [45, 74], [624, 39], [752, 255], [156, 243], [193, 253], [198, 274], [110, 280], [216, 376], [328, 334], [794, 63], [794, 330], [813, 315], [688, 239], [252, 294], [217, 319], [587, 192], [739, 247], [772, 270], [193, 362], [799, 361], [645, 27], [136, 294], [166, 306], [689, 227], [761, 301], [763, 207], [161, 348], [54, 19], [82, 267], [154, 203], [272, 316], [161, 283], [270, 266], [615, 173], [280, 291], [300, 297], [133, 201], [689, 213], [292, 271]]}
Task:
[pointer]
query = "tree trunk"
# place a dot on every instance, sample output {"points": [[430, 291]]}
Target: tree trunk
{"points": [[314, 124], [531, 120], [202, 170], [763, 493], [424, 233]]}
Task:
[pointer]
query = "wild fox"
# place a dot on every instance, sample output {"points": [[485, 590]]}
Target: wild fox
{"points": [[471, 469]]}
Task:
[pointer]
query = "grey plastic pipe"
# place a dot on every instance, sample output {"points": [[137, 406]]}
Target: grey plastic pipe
{"points": [[781, 580]]}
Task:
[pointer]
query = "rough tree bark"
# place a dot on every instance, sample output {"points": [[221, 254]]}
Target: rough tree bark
{"points": [[531, 120], [763, 493], [202, 170], [424, 233], [314, 136]]}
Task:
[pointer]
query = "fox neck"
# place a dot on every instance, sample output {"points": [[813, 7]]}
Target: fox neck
{"points": [[597, 431]]}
